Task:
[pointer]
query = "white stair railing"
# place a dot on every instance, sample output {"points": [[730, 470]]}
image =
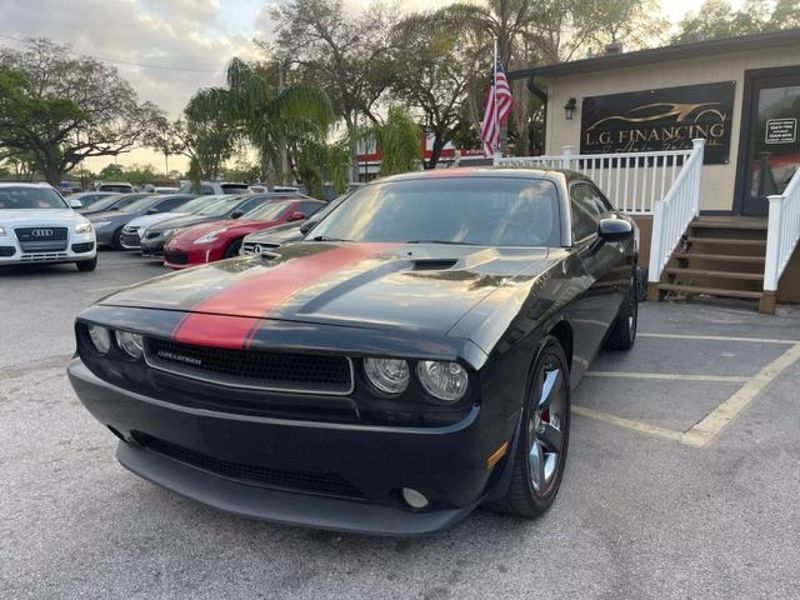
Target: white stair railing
{"points": [[633, 181], [673, 214], [783, 232]]}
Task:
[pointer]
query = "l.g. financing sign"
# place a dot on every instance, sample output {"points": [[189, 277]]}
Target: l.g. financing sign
{"points": [[662, 119]]}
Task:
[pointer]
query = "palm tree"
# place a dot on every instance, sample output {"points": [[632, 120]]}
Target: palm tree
{"points": [[399, 140], [271, 117]]}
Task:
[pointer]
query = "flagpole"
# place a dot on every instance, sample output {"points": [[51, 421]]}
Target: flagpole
{"points": [[494, 101]]}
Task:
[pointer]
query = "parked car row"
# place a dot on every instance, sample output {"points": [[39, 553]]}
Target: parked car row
{"points": [[184, 230]]}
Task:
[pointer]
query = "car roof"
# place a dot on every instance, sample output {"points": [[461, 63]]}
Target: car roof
{"points": [[489, 171], [28, 184]]}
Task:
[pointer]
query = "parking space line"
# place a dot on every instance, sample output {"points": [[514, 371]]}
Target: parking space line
{"points": [[669, 376], [706, 430], [651, 430], [718, 338]]}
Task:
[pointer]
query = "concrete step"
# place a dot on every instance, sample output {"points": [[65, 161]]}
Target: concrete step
{"points": [[691, 290], [717, 274], [756, 225]]}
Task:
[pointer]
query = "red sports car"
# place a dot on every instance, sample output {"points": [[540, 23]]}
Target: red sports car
{"points": [[222, 239]]}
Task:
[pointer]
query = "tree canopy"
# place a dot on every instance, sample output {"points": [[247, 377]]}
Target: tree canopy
{"points": [[59, 109]]}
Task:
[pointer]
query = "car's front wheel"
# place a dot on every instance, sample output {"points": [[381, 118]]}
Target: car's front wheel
{"points": [[233, 249], [541, 453], [87, 265]]}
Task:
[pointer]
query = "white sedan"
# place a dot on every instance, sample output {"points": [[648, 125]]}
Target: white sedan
{"points": [[38, 226]]}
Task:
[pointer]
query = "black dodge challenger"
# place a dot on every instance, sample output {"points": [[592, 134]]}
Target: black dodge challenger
{"points": [[410, 358]]}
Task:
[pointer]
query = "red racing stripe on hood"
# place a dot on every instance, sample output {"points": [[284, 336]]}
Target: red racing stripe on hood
{"points": [[219, 321]]}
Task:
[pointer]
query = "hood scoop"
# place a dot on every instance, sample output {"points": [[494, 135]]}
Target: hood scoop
{"points": [[433, 264]]}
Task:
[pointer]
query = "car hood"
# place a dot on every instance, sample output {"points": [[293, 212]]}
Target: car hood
{"points": [[289, 232], [407, 286], [230, 227], [180, 222], [21, 217], [147, 220], [111, 215]]}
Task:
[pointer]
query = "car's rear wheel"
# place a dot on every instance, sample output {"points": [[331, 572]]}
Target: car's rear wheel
{"points": [[623, 333], [233, 249], [87, 265], [541, 454]]}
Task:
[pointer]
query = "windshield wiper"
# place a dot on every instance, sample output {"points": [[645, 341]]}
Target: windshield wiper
{"points": [[449, 242], [325, 238]]}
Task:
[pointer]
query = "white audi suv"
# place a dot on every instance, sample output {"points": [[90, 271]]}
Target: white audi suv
{"points": [[38, 226]]}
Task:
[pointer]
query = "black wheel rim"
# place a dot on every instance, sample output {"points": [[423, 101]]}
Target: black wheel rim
{"points": [[546, 425]]}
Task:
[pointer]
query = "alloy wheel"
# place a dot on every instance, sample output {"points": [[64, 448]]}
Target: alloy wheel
{"points": [[545, 426]]}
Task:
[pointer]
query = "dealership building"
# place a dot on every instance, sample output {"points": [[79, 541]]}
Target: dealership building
{"points": [[637, 111]]}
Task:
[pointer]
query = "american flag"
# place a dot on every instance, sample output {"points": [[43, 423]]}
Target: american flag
{"points": [[493, 119]]}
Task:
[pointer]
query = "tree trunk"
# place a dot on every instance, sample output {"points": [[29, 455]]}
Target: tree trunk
{"points": [[436, 152]]}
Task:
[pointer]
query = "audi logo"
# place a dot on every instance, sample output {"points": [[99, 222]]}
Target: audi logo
{"points": [[42, 233]]}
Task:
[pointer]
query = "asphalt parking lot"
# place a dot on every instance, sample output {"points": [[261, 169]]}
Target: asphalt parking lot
{"points": [[682, 481]]}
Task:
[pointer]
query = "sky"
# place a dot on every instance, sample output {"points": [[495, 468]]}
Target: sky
{"points": [[189, 40]]}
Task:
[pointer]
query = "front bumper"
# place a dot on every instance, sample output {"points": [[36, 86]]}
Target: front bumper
{"points": [[77, 248], [182, 256], [105, 235], [447, 464], [129, 240], [153, 246]]}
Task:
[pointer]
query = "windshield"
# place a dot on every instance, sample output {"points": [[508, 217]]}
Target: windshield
{"points": [[268, 211], [139, 205], [113, 187], [220, 207], [486, 211], [196, 205], [30, 197]]}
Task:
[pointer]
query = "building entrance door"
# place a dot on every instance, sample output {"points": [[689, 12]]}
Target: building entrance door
{"points": [[771, 135]]}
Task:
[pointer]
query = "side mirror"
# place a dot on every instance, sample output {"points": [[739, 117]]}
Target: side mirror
{"points": [[75, 203], [308, 226], [297, 216], [615, 230], [237, 214]]}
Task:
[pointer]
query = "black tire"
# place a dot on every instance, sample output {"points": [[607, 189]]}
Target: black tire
{"points": [[525, 498], [233, 249], [87, 265], [116, 241], [623, 333]]}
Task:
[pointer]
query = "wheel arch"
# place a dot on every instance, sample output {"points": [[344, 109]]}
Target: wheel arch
{"points": [[562, 331]]}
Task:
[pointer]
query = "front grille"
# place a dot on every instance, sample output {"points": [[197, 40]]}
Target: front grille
{"points": [[41, 234], [44, 257], [42, 239], [7, 250], [306, 481], [130, 240], [130, 229], [254, 369], [177, 258], [83, 247]]}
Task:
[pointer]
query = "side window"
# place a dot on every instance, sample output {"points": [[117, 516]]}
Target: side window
{"points": [[249, 205], [585, 216], [206, 190], [309, 207], [170, 204]]}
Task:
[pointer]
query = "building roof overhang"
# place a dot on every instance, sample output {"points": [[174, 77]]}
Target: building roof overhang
{"points": [[760, 41]]}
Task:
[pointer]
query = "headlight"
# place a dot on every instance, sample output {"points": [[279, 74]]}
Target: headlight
{"points": [[2, 230], [389, 375], [130, 343], [101, 338], [446, 381], [169, 232], [101, 224], [83, 228], [209, 237]]}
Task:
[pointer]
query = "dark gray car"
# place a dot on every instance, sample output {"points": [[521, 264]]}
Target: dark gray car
{"points": [[108, 225], [112, 202]]}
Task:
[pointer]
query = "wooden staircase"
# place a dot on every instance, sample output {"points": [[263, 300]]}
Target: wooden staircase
{"points": [[718, 256]]}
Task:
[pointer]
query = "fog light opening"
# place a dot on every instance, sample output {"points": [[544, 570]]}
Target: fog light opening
{"points": [[116, 433], [414, 499]]}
